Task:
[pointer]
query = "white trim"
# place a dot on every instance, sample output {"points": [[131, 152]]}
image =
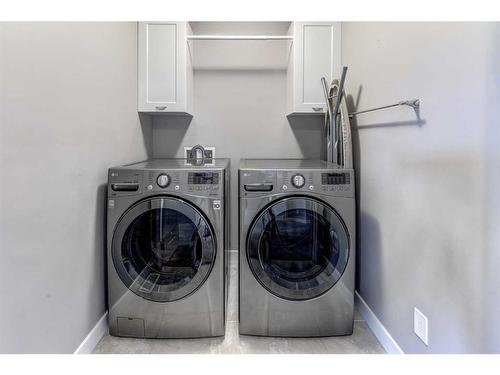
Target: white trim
{"points": [[95, 335], [384, 337]]}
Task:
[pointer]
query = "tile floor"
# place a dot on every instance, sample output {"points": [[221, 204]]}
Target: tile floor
{"points": [[362, 340]]}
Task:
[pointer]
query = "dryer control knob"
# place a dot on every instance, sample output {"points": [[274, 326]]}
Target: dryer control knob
{"points": [[298, 181], [163, 180]]}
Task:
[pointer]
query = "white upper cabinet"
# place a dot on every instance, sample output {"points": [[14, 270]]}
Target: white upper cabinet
{"points": [[165, 62], [165, 74], [315, 53]]}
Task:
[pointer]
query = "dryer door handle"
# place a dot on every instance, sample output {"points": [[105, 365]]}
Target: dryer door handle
{"points": [[259, 187]]}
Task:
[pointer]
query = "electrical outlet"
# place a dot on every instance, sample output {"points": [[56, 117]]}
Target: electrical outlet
{"points": [[209, 152], [421, 325]]}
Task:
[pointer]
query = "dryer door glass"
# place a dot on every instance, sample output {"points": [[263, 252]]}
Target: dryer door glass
{"points": [[298, 248], [163, 249]]}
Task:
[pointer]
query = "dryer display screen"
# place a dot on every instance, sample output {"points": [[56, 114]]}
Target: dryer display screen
{"points": [[203, 178], [335, 178]]}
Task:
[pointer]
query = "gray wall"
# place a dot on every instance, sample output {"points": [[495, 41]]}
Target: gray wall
{"points": [[427, 185], [491, 274], [67, 113], [240, 105]]}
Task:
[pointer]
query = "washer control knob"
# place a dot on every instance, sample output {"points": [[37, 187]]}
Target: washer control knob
{"points": [[163, 180], [284, 187], [311, 187], [298, 181], [177, 187]]}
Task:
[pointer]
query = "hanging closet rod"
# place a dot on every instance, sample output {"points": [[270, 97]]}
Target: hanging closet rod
{"points": [[414, 103], [239, 37]]}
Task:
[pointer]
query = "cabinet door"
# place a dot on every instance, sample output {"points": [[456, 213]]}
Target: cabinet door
{"points": [[162, 67], [316, 54]]}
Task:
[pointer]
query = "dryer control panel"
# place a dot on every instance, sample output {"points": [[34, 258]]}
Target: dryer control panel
{"points": [[329, 182]]}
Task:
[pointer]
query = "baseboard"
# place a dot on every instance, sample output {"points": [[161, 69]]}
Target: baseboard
{"points": [[381, 333], [95, 335]]}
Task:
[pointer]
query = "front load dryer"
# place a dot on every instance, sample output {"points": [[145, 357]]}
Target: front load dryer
{"points": [[167, 243], [297, 248]]}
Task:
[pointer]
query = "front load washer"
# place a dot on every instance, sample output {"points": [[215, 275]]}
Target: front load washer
{"points": [[297, 248], [167, 243]]}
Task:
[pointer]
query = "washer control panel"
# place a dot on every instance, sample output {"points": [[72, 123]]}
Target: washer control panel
{"points": [[204, 183], [207, 183]]}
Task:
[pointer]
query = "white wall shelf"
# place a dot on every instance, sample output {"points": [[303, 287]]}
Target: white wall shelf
{"points": [[240, 37], [240, 46]]}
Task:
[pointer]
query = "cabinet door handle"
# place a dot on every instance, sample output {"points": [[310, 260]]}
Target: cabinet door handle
{"points": [[161, 107], [317, 109]]}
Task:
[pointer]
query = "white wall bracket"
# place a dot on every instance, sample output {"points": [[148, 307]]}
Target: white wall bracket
{"points": [[414, 103]]}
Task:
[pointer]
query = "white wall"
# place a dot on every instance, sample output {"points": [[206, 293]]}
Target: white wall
{"points": [[240, 105], [67, 113], [423, 183]]}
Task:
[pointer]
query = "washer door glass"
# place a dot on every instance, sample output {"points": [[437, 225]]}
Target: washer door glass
{"points": [[298, 248], [163, 249]]}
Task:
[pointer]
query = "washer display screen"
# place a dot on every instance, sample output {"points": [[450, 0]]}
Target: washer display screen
{"points": [[203, 178]]}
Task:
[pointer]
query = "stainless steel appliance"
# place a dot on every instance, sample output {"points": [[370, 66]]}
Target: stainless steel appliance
{"points": [[297, 248], [167, 242]]}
